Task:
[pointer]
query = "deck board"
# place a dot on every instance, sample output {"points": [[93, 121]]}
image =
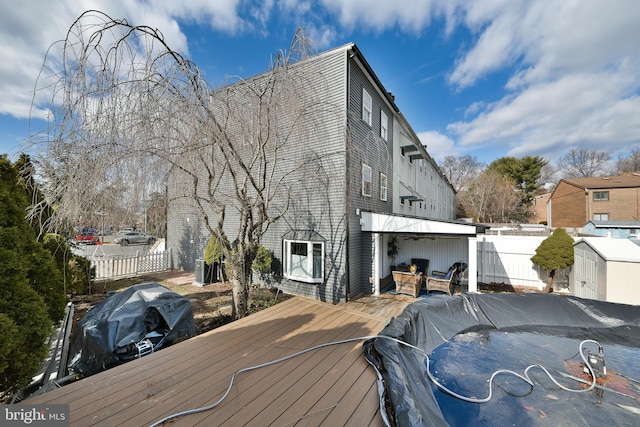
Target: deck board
{"points": [[330, 386]]}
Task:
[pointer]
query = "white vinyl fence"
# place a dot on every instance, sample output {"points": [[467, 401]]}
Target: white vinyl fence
{"points": [[117, 267], [507, 259]]}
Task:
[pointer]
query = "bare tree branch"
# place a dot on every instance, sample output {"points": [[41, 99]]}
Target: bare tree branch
{"points": [[583, 163], [127, 113], [460, 171]]}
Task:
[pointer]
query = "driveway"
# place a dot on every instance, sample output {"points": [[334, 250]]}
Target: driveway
{"points": [[110, 250]]}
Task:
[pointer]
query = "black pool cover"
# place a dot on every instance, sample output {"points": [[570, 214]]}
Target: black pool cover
{"points": [[509, 360], [128, 325]]}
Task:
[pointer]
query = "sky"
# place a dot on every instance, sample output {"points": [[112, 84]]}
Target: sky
{"points": [[485, 78]]}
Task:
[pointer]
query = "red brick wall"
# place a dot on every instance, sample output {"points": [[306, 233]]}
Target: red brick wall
{"points": [[539, 209], [568, 206], [623, 204], [571, 207]]}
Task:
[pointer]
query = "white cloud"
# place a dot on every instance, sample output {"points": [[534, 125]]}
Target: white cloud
{"points": [[380, 15], [569, 68], [593, 111], [27, 29], [438, 145], [574, 76], [541, 39]]}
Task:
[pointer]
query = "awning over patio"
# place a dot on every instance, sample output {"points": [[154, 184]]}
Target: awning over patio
{"points": [[382, 223]]}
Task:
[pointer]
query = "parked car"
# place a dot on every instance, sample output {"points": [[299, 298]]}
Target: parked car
{"points": [[87, 238], [132, 237]]}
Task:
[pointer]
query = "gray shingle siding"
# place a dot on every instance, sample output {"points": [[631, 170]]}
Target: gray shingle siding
{"points": [[319, 193], [328, 192], [366, 146]]}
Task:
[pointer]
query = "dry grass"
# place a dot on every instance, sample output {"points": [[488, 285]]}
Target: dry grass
{"points": [[211, 303]]}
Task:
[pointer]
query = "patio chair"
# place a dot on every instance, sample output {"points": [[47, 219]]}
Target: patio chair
{"points": [[441, 281], [407, 283]]}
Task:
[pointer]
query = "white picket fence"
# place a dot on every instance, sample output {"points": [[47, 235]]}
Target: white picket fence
{"points": [[118, 267]]}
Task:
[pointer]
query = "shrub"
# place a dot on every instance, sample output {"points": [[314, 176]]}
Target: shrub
{"points": [[555, 252], [213, 252], [262, 261]]}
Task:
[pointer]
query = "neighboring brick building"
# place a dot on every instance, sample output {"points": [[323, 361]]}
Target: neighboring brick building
{"points": [[539, 214], [574, 202]]}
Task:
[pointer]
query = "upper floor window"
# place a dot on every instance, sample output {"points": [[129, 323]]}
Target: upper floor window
{"points": [[366, 180], [383, 187], [601, 217], [600, 195], [367, 106], [384, 125]]}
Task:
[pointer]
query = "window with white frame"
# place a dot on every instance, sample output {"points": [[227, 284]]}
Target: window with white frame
{"points": [[366, 180], [383, 187], [601, 217], [367, 106], [384, 125], [600, 195], [303, 261]]}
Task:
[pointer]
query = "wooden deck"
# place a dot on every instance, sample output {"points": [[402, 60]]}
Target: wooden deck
{"points": [[330, 386]]}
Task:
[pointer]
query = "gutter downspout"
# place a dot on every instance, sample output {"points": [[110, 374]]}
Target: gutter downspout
{"points": [[345, 183], [587, 204]]}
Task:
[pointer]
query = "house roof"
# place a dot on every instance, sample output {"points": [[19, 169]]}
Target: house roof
{"points": [[615, 224], [603, 182], [613, 249]]}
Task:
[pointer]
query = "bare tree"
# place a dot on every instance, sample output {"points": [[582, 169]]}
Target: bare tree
{"points": [[627, 163], [128, 113], [583, 163], [460, 171], [490, 198], [547, 180]]}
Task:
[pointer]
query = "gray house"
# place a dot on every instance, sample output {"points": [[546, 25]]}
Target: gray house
{"points": [[364, 177], [623, 229]]}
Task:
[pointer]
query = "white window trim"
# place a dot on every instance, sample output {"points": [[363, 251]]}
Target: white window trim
{"points": [[366, 178], [306, 266], [384, 125], [367, 107], [383, 187]]}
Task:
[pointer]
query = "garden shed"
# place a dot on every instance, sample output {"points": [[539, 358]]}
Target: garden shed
{"points": [[606, 269]]}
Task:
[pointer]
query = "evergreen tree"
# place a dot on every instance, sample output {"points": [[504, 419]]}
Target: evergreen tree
{"points": [[77, 272], [524, 173], [31, 295], [555, 252]]}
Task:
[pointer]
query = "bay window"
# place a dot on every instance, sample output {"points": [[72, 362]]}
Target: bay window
{"points": [[303, 261]]}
